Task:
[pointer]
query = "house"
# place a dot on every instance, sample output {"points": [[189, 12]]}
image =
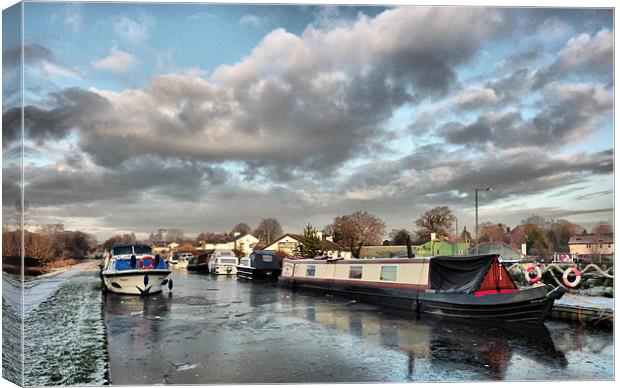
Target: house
{"points": [[164, 248], [592, 245], [289, 243], [440, 247], [242, 242]]}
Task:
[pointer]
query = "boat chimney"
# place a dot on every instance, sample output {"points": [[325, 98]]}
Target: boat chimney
{"points": [[409, 251], [433, 236]]}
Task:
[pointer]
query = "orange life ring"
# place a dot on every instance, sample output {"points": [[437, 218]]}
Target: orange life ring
{"points": [[575, 282], [143, 259], [538, 274]]}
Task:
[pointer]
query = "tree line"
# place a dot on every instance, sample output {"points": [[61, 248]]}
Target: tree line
{"points": [[48, 242]]}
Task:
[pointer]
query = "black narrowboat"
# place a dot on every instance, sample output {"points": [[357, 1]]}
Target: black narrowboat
{"points": [[259, 265], [469, 287]]}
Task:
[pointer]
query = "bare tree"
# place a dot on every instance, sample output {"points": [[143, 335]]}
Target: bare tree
{"points": [[124, 238], [535, 220], [494, 232], [602, 229], [399, 236], [26, 213], [436, 220], [268, 230], [175, 235], [359, 229], [241, 228]]}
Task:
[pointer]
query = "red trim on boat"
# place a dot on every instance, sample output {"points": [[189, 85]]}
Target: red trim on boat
{"points": [[364, 283], [492, 292]]}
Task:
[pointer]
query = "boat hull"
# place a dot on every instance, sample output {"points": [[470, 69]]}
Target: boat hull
{"points": [[136, 282], [245, 272], [202, 267], [223, 269], [530, 305]]}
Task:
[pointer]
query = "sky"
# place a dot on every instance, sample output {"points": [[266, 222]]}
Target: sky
{"points": [[198, 117]]}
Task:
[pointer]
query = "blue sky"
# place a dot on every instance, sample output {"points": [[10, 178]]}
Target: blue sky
{"points": [[202, 116]]}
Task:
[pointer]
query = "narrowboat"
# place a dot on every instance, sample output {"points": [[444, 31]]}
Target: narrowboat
{"points": [[470, 287], [259, 265], [200, 263], [223, 262], [133, 269]]}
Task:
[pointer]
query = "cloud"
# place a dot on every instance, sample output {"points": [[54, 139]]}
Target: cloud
{"points": [[567, 113], [583, 55], [117, 61], [202, 16], [251, 21], [476, 97], [306, 103], [40, 57], [72, 108], [52, 69], [133, 30], [447, 175], [521, 60], [131, 182]]}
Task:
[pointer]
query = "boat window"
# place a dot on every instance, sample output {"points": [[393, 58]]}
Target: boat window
{"points": [[388, 272], [311, 270], [267, 258], [122, 251], [355, 272], [141, 249], [228, 261]]}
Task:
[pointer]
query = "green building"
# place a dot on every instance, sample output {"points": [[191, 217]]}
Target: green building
{"points": [[439, 247]]}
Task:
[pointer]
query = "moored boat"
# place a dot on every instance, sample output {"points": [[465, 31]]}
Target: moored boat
{"points": [[223, 262], [133, 269], [470, 287], [259, 265], [199, 263]]}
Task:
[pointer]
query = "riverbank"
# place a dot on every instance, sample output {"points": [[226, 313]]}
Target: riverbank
{"points": [[63, 328], [35, 267]]}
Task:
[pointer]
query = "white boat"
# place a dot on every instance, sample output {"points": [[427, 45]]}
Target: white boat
{"points": [[223, 262], [182, 259], [133, 269]]}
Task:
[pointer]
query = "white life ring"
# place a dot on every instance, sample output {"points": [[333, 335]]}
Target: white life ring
{"points": [[538, 273], [575, 282]]}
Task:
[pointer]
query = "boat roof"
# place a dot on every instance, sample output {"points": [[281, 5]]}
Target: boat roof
{"points": [[125, 245], [264, 252]]}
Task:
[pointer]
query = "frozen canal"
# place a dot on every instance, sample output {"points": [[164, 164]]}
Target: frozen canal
{"points": [[220, 330]]}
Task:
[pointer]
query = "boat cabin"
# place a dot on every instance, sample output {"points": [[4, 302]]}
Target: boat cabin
{"points": [[456, 274], [127, 257]]}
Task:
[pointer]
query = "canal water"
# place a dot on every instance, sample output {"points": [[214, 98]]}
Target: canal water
{"points": [[216, 330]]}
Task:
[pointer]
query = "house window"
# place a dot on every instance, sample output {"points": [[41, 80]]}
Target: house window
{"points": [[311, 270], [388, 272], [287, 245], [355, 272]]}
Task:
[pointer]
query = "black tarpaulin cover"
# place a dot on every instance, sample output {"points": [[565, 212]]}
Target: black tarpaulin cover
{"points": [[460, 274], [264, 260]]}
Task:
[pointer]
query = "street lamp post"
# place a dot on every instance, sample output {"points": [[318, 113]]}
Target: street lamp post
{"points": [[485, 189]]}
